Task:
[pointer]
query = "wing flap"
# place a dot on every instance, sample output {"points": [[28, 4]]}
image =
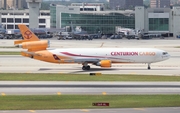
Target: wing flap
{"points": [[86, 60]]}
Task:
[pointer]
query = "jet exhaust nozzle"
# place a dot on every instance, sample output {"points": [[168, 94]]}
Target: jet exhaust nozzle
{"points": [[18, 46]]}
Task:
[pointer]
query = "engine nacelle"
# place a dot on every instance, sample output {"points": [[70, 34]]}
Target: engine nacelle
{"points": [[104, 63], [43, 44]]}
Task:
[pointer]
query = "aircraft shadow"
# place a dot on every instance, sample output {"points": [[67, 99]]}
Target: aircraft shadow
{"points": [[95, 70], [58, 69], [92, 69], [75, 70]]}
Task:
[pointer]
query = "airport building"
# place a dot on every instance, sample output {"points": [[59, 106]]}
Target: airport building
{"points": [[91, 21], [148, 20], [158, 20], [11, 18], [95, 19]]}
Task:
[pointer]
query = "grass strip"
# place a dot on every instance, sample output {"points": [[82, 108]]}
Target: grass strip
{"points": [[9, 53], [39, 102], [8, 47], [82, 77]]}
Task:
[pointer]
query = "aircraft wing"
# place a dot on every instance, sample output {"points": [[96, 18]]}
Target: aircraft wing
{"points": [[98, 60], [86, 60]]}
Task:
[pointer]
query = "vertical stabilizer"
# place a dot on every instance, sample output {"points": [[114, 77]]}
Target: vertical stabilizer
{"points": [[27, 34]]}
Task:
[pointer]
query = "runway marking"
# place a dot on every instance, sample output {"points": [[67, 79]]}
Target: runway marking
{"points": [[104, 93], [28, 72], [58, 93], [98, 74], [84, 110], [3, 94], [139, 109], [32, 111]]}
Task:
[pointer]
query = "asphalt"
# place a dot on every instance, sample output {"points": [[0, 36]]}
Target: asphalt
{"points": [[19, 64], [171, 67], [96, 88], [105, 110]]}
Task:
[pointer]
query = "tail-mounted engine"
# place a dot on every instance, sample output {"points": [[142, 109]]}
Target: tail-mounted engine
{"points": [[35, 45]]}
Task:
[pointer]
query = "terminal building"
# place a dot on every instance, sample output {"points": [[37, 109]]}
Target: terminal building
{"points": [[91, 21], [148, 20], [158, 20], [11, 18]]}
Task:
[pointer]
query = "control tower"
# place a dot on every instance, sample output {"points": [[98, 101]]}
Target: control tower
{"points": [[34, 6]]}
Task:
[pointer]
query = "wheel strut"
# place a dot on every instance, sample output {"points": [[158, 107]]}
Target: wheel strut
{"points": [[149, 67]]}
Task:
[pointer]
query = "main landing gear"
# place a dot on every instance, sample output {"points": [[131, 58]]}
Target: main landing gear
{"points": [[149, 67], [85, 66]]}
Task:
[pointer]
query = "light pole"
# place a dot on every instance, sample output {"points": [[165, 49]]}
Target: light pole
{"points": [[71, 24]]}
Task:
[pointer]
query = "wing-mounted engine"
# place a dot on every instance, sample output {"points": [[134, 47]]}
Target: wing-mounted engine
{"points": [[104, 63], [34, 45]]}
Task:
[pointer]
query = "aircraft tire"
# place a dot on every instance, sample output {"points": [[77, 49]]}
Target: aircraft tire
{"points": [[86, 67], [83, 68]]}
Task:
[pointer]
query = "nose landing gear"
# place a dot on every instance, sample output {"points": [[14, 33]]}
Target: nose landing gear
{"points": [[149, 67]]}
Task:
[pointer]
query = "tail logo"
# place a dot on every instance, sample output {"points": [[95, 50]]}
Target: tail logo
{"points": [[28, 34]]}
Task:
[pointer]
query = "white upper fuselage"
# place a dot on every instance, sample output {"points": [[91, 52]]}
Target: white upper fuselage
{"points": [[116, 55]]}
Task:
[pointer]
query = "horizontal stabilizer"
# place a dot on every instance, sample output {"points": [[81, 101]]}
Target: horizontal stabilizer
{"points": [[25, 54], [20, 41]]}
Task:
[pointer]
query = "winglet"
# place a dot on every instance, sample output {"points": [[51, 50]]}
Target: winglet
{"points": [[27, 34]]}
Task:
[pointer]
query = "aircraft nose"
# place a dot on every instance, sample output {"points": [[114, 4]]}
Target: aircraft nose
{"points": [[166, 56]]}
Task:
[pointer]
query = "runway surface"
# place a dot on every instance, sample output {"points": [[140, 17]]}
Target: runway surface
{"points": [[97, 88], [19, 64], [124, 110]]}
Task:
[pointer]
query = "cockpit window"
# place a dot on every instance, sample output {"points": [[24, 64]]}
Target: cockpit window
{"points": [[164, 53]]}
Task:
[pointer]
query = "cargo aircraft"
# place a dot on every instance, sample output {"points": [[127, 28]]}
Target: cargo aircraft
{"points": [[104, 57]]}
